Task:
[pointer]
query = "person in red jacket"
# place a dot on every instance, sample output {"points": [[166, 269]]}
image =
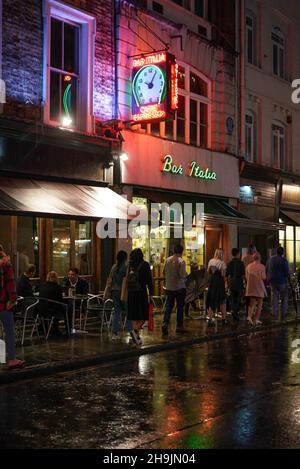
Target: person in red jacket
{"points": [[8, 298]]}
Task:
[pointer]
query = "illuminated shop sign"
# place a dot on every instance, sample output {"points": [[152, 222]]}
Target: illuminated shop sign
{"points": [[154, 87], [194, 169]]}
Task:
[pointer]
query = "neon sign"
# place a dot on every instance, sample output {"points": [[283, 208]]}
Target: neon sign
{"points": [[194, 170], [154, 87]]}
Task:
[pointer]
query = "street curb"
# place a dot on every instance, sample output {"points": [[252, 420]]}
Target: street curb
{"points": [[81, 363]]}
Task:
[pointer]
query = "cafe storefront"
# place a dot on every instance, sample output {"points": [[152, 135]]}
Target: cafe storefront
{"points": [[160, 171]]}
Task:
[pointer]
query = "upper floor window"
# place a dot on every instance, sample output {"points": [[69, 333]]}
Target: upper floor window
{"points": [[250, 39], [250, 137], [68, 77], [196, 6], [278, 45], [278, 145]]}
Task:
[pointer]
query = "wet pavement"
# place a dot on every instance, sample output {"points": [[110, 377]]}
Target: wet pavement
{"points": [[239, 392], [44, 358]]}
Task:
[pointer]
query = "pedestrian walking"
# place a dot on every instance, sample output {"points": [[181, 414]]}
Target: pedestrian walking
{"points": [[278, 274], [117, 274], [236, 279], [248, 258], [8, 299], [255, 290], [175, 275], [216, 295], [140, 292]]}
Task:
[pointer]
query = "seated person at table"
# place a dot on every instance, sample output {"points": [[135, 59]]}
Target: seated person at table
{"points": [[74, 281], [52, 290], [24, 287]]}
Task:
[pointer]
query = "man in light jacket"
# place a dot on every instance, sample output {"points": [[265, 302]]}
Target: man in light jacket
{"points": [[175, 274]]}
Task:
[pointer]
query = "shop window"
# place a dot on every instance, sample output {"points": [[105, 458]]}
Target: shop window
{"points": [[64, 72], [290, 238], [181, 77], [83, 247], [6, 234], [278, 45], [197, 85], [181, 119], [169, 130], [28, 242], [61, 246], [155, 129], [68, 77], [194, 247], [278, 146], [297, 243]]}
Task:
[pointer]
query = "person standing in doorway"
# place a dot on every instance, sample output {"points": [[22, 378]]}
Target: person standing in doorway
{"points": [[216, 295], [256, 290], [175, 274], [278, 275], [8, 299], [236, 278]]}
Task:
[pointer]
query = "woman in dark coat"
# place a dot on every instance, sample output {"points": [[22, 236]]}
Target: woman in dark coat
{"points": [[138, 299]]}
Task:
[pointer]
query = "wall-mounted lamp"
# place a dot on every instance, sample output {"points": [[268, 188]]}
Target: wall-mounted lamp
{"points": [[124, 156]]}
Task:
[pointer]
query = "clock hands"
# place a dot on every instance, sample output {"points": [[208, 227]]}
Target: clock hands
{"points": [[150, 85]]}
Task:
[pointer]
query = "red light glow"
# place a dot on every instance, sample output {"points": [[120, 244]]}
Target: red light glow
{"points": [[149, 113], [149, 60], [67, 78], [174, 86]]}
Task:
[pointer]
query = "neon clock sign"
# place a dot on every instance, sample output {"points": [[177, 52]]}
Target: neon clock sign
{"points": [[154, 87]]}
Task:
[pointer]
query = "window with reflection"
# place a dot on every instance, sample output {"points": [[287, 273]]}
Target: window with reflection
{"points": [[83, 247], [61, 246], [28, 242]]}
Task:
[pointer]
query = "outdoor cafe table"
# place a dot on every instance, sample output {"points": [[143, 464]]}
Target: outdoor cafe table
{"points": [[72, 300]]}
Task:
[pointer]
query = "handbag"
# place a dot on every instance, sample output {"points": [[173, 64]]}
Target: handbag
{"points": [[150, 320]]}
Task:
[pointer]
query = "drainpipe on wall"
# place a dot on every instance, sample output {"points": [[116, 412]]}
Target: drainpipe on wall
{"points": [[242, 74]]}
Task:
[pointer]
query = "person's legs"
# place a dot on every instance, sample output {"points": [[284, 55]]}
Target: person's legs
{"points": [[223, 311], [117, 312], [251, 308], [258, 309], [284, 294], [7, 319], [169, 308], [275, 301]]}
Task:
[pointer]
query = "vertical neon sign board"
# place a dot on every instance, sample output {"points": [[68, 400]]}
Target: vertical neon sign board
{"points": [[154, 87]]}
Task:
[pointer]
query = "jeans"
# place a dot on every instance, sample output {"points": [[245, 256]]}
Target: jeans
{"points": [[179, 296], [7, 319], [280, 292], [119, 307]]}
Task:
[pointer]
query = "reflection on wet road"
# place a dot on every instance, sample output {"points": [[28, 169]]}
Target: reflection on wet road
{"points": [[235, 393]]}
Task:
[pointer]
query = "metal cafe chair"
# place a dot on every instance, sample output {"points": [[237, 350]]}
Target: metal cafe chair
{"points": [[26, 317], [48, 312], [94, 308], [107, 315]]}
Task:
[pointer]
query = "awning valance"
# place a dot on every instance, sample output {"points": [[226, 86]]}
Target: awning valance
{"points": [[216, 211], [290, 218], [47, 198]]}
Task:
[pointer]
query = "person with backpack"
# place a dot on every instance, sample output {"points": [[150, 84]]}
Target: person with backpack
{"points": [[140, 291], [278, 275], [117, 274], [235, 275], [175, 273]]}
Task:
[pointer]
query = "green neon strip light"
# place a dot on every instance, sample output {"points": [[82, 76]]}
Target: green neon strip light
{"points": [[67, 100]]}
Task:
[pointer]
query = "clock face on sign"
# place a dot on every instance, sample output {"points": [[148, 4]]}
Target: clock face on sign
{"points": [[149, 85]]}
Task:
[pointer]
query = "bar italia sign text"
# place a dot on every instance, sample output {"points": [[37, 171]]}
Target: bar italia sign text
{"points": [[194, 170]]}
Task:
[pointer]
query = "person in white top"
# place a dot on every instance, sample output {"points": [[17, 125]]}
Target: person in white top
{"points": [[216, 296], [175, 273]]}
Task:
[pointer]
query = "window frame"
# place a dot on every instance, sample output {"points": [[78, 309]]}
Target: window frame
{"points": [[87, 29], [281, 47], [253, 129], [276, 129], [252, 30]]}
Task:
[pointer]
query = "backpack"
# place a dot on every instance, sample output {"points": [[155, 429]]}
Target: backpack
{"points": [[133, 283]]}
